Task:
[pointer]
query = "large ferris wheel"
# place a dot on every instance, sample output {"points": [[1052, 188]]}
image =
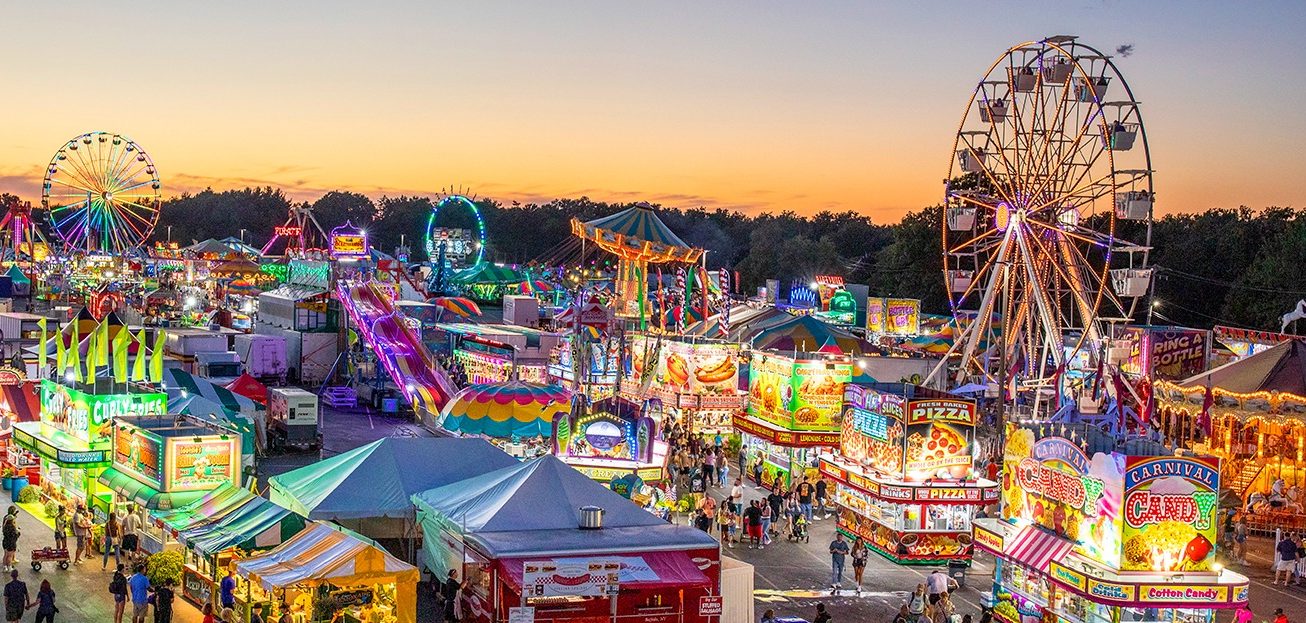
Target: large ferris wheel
{"points": [[1050, 173], [101, 193]]}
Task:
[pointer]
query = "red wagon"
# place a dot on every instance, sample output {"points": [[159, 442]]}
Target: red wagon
{"points": [[49, 554]]}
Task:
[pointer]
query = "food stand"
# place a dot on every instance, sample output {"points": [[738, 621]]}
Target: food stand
{"points": [[609, 439], [73, 438], [904, 472], [1107, 537], [697, 381], [323, 571], [793, 413], [164, 462]]}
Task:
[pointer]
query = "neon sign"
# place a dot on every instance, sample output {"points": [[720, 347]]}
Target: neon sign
{"points": [[87, 416], [1078, 491], [288, 231]]}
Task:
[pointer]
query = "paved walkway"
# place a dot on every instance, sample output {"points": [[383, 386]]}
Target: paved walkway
{"points": [[81, 592]]}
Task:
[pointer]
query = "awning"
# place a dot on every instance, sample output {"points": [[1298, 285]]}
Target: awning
{"points": [[60, 447], [1035, 548], [211, 506], [670, 569], [230, 516], [143, 494]]}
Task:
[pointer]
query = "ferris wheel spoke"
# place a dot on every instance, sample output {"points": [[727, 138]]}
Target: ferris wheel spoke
{"points": [[55, 180], [78, 171], [117, 192]]}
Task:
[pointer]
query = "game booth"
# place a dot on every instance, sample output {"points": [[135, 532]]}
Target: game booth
{"points": [[793, 413], [696, 380], [1105, 537], [611, 438], [904, 472], [541, 535]]}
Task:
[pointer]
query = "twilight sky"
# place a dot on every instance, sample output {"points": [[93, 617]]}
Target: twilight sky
{"points": [[756, 105]]}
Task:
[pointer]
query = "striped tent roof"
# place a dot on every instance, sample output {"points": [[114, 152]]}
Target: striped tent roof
{"points": [[178, 380], [506, 410], [809, 334]]}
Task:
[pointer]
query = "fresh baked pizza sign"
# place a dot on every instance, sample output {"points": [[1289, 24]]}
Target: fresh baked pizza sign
{"points": [[938, 438]]}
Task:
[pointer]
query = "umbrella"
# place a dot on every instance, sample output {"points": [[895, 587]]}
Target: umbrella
{"points": [[506, 410], [533, 286], [971, 388], [241, 286], [460, 305]]}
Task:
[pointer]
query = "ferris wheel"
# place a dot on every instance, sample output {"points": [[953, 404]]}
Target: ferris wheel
{"points": [[1050, 173], [463, 247], [101, 193]]}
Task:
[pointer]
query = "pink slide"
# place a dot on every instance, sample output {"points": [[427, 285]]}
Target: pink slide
{"points": [[420, 378]]}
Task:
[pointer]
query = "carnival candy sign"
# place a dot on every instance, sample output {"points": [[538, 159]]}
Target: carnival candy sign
{"points": [[1169, 513]]}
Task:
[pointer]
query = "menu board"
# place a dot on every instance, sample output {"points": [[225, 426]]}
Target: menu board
{"points": [[872, 429], [939, 433], [203, 464], [901, 317], [1170, 507], [770, 389], [1052, 482], [140, 453], [818, 394]]}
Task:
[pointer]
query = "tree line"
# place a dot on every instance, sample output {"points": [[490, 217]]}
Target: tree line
{"points": [[1239, 267]]}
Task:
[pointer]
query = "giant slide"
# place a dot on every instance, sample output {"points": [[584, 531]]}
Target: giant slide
{"points": [[424, 384]]}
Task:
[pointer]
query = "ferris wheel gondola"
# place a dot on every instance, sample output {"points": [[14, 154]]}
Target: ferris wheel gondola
{"points": [[1050, 171]]}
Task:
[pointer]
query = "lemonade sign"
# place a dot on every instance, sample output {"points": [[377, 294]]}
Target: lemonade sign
{"points": [[1169, 513]]}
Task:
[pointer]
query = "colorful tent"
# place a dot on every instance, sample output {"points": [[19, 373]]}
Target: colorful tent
{"points": [[179, 381], [18, 403], [486, 272], [811, 334], [249, 387], [369, 488], [637, 231], [459, 305], [1280, 369], [228, 517], [323, 555], [506, 410]]}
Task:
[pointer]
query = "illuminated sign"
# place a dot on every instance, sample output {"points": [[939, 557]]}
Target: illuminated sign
{"points": [[288, 231], [140, 453], [1170, 507], [88, 417], [988, 540], [960, 411], [899, 317], [202, 463], [349, 245]]}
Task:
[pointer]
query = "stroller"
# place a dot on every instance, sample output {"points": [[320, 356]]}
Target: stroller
{"points": [[798, 529]]}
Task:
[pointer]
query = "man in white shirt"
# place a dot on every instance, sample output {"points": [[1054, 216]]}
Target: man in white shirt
{"points": [[937, 584], [131, 524]]}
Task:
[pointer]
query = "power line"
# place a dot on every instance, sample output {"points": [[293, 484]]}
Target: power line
{"points": [[1227, 284]]}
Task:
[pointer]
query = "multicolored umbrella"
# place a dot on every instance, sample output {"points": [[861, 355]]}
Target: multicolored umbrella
{"points": [[241, 286], [808, 333], [534, 286], [506, 410], [460, 305]]}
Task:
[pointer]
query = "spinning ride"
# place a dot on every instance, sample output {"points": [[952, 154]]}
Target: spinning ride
{"points": [[101, 193], [1049, 171], [638, 238]]}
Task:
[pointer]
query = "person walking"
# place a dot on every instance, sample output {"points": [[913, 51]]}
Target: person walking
{"points": [[45, 608], [860, 554], [725, 525], [118, 588], [1243, 615], [81, 530], [207, 611], [916, 603], [821, 491], [112, 531], [163, 597], [938, 584], [765, 510], [776, 500], [1240, 540], [450, 591], [130, 542], [17, 601], [753, 525], [805, 491], [1286, 550], [11, 532], [723, 468], [903, 615], [709, 466], [838, 553], [139, 587], [61, 528], [944, 610], [768, 616], [227, 591]]}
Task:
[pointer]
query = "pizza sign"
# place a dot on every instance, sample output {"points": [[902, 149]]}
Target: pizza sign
{"points": [[959, 411]]}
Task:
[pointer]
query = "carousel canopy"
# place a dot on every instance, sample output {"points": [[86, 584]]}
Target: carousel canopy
{"points": [[637, 233], [506, 410], [1280, 368], [378, 479], [810, 334]]}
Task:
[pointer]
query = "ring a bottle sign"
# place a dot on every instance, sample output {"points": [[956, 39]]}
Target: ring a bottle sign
{"points": [[199, 465], [1169, 513]]}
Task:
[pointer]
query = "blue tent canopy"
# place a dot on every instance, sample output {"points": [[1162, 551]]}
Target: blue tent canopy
{"points": [[639, 222], [378, 480], [533, 508]]}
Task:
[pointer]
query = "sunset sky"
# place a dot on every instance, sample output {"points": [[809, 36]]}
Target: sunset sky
{"points": [[752, 105]]}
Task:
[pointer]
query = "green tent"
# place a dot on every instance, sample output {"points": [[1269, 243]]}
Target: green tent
{"points": [[486, 272], [231, 517]]}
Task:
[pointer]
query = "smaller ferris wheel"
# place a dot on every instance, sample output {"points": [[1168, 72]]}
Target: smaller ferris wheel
{"points": [[460, 247], [101, 193]]}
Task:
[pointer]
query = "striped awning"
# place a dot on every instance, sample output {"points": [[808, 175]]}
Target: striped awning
{"points": [[1034, 548], [179, 380]]}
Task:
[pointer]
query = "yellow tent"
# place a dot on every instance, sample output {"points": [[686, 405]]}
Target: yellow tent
{"points": [[323, 555]]}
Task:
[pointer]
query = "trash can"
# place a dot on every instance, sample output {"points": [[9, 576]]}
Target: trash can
{"points": [[957, 571], [20, 483]]}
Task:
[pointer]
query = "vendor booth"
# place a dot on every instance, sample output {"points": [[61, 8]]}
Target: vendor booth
{"points": [[542, 534], [611, 438], [904, 471], [221, 527], [793, 413], [19, 402], [322, 572], [696, 380], [1105, 537], [160, 462], [369, 489]]}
